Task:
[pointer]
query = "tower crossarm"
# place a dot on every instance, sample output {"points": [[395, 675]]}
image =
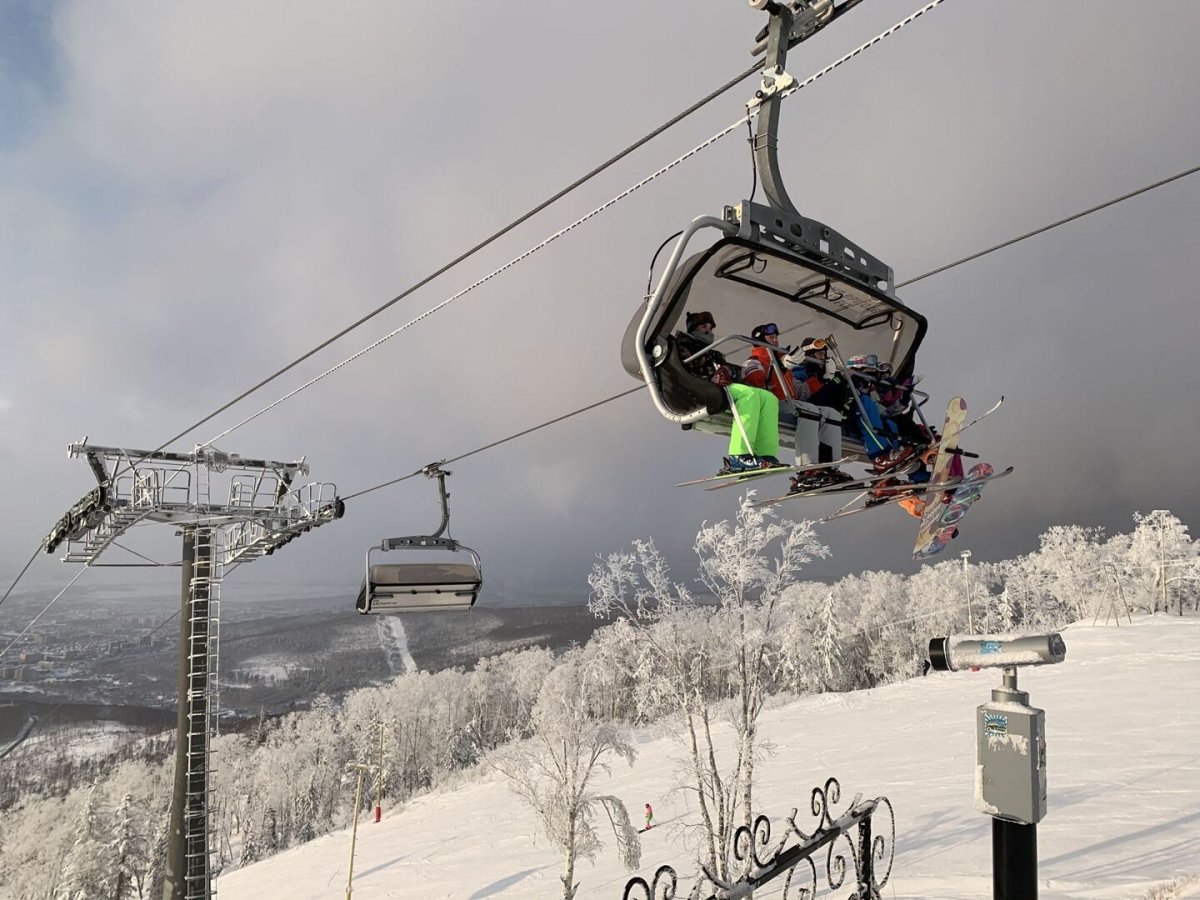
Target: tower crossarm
{"points": [[254, 499], [299, 512]]}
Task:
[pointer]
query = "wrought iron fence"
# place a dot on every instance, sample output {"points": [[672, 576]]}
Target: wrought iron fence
{"points": [[850, 839]]}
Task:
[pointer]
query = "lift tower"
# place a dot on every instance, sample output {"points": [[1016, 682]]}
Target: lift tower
{"points": [[229, 510]]}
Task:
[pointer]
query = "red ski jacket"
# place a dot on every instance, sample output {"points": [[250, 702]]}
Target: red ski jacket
{"points": [[758, 372]]}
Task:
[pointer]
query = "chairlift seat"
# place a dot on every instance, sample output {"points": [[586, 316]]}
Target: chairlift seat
{"points": [[772, 267], [419, 587], [422, 586]]}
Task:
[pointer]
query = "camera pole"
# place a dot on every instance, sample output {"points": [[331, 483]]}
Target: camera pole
{"points": [[1010, 749], [1014, 844]]}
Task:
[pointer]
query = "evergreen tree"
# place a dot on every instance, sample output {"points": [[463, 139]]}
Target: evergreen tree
{"points": [[126, 852]]}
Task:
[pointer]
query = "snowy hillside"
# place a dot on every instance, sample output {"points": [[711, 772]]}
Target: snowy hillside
{"points": [[1123, 718]]}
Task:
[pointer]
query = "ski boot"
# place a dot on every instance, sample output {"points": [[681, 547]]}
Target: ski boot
{"points": [[892, 459], [818, 478], [746, 462]]}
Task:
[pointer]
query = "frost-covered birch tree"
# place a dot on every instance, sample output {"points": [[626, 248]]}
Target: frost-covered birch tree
{"points": [[688, 654], [749, 565], [553, 772]]}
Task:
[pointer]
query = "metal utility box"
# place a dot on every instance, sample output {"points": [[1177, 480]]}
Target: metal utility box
{"points": [[1010, 758]]}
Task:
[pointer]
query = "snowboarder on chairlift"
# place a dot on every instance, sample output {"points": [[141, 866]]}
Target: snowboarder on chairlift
{"points": [[878, 435], [754, 439], [765, 364]]}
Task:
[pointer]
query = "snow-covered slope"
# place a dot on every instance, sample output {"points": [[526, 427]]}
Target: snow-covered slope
{"points": [[1123, 736]]}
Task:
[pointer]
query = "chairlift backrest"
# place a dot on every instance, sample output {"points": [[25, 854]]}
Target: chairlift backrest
{"points": [[420, 586]]}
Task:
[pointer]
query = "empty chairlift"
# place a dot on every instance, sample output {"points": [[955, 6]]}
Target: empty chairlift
{"points": [[423, 586]]}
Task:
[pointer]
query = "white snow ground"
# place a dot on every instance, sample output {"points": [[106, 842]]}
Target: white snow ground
{"points": [[1123, 737]]}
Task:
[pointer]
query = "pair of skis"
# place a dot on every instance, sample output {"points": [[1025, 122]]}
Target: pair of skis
{"points": [[948, 453], [887, 493], [948, 494], [730, 479]]}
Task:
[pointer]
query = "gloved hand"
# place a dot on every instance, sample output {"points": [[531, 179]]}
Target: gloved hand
{"points": [[830, 368], [792, 359]]}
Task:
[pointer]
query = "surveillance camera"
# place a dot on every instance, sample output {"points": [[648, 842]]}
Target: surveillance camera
{"points": [[992, 651]]}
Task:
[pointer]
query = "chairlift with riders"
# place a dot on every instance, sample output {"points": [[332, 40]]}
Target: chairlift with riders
{"points": [[769, 263], [422, 586]]}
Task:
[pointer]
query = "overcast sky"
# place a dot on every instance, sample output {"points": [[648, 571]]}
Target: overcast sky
{"points": [[191, 196]]}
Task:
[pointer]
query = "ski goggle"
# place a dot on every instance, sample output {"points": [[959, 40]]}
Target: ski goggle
{"points": [[769, 329], [818, 344], [867, 361]]}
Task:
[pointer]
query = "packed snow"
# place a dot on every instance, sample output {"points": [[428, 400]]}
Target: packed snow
{"points": [[393, 640], [1122, 717]]}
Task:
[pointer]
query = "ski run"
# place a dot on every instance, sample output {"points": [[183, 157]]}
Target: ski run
{"points": [[1123, 764]]}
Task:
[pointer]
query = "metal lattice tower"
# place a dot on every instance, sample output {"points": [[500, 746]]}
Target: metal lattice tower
{"points": [[261, 512]]}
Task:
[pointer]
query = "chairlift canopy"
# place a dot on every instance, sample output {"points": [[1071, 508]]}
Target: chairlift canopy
{"points": [[767, 266]]}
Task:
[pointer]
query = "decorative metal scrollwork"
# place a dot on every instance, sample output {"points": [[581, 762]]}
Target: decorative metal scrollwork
{"points": [[746, 842], [850, 841], [661, 888]]}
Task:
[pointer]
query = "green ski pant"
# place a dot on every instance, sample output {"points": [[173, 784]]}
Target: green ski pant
{"points": [[758, 412]]}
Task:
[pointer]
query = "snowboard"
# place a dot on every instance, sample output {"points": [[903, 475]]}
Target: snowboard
{"points": [[941, 519], [946, 467]]}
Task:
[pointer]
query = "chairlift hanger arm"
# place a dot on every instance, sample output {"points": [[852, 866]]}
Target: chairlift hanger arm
{"points": [[774, 80], [791, 23], [435, 470]]}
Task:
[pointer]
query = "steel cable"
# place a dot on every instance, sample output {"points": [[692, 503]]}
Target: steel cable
{"points": [[703, 145], [931, 272]]}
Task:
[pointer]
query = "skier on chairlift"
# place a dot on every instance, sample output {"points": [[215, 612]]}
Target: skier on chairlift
{"points": [[765, 364], [754, 441]]}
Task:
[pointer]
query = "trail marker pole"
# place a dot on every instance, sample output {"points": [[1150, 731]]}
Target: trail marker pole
{"points": [[379, 777], [362, 770]]}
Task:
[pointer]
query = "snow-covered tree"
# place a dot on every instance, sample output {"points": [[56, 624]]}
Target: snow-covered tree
{"points": [[749, 583], [157, 870], [812, 647], [687, 654], [553, 771], [87, 874], [126, 852], [1160, 562]]}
